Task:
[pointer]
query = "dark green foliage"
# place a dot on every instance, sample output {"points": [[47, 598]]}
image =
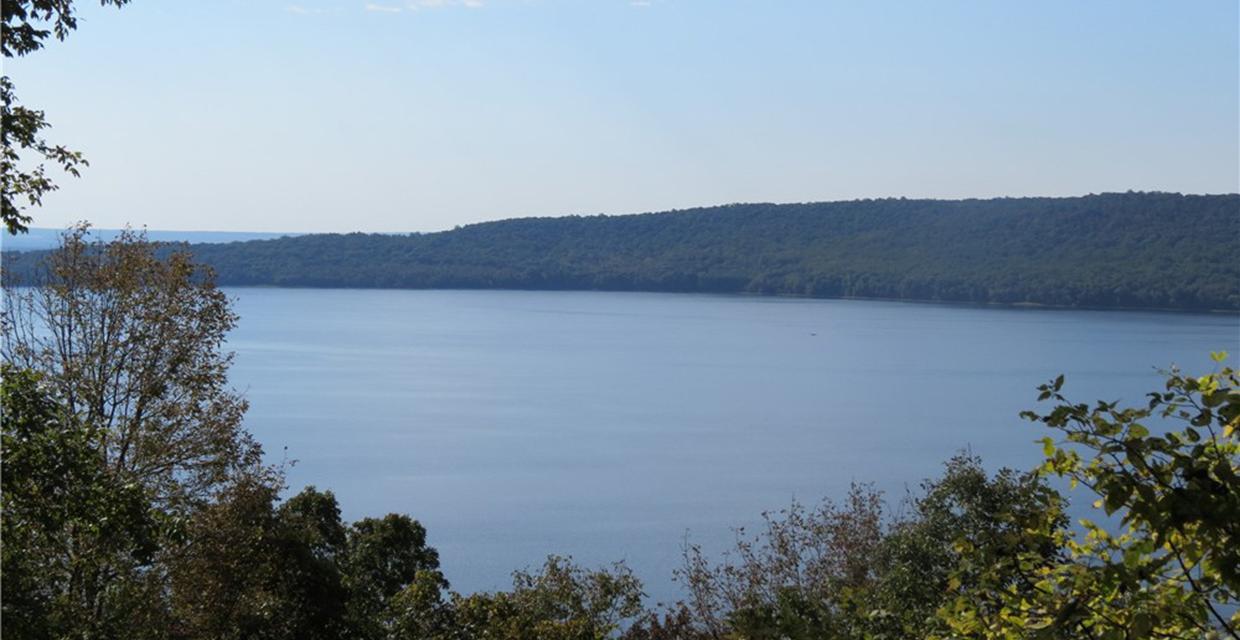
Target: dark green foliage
{"points": [[78, 543], [384, 558], [241, 573], [562, 601], [1155, 250], [921, 561], [256, 570]]}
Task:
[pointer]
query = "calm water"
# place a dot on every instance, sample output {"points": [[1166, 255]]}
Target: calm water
{"points": [[607, 426]]}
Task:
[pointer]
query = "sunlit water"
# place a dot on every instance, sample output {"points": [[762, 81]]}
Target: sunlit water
{"points": [[610, 426]]}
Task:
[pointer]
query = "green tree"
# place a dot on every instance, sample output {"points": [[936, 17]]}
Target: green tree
{"points": [[1170, 567], [561, 601], [251, 569], [851, 571], [385, 558], [130, 336], [126, 341], [420, 611], [919, 560], [795, 577], [76, 542], [26, 26]]}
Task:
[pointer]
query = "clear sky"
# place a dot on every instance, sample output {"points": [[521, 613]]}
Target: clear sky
{"points": [[339, 115]]}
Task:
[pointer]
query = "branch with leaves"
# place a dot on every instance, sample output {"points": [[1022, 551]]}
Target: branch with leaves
{"points": [[1172, 569]]}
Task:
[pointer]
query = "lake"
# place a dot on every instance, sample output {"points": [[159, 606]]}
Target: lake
{"points": [[610, 426]]}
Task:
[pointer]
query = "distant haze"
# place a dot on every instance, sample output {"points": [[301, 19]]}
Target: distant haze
{"points": [[342, 115], [41, 238]]}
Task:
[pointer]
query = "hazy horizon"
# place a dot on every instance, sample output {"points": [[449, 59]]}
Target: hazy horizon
{"points": [[277, 232]]}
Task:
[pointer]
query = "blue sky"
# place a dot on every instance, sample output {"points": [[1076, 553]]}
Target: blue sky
{"points": [[324, 115]]}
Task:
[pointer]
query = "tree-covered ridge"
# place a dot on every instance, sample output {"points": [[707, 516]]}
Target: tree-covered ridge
{"points": [[1154, 250], [1129, 250]]}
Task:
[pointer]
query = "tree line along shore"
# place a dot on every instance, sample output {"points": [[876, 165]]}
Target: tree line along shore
{"points": [[1110, 251]]}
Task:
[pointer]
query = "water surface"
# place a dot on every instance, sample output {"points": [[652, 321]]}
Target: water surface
{"points": [[607, 426]]}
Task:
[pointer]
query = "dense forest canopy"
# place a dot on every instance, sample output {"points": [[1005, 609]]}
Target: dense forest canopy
{"points": [[1122, 250]]}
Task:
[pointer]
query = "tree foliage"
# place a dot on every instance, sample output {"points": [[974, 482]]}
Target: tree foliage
{"points": [[76, 542], [259, 569], [1171, 566], [389, 569], [561, 601], [855, 571], [793, 579], [132, 343], [928, 553]]}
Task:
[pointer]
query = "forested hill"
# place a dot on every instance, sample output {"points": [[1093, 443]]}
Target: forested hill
{"points": [[1131, 250]]}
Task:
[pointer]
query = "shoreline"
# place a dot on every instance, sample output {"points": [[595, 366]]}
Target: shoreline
{"points": [[780, 296]]}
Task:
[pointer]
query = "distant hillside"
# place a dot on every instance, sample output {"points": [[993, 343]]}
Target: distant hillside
{"points": [[38, 238], [1131, 250]]}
